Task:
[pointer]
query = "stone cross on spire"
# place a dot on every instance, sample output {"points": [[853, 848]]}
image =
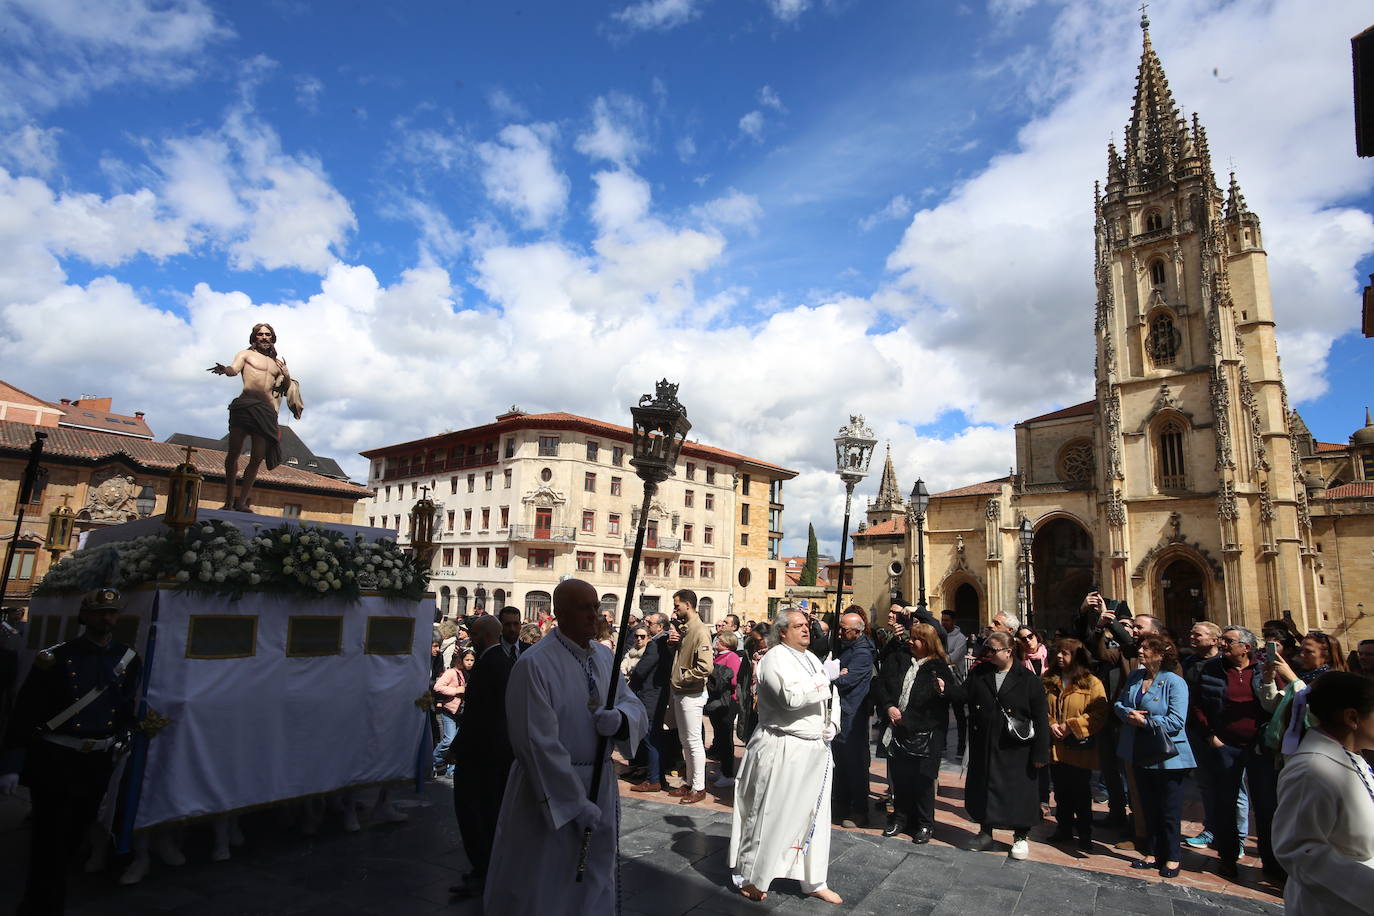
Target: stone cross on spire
{"points": [[889, 495]]}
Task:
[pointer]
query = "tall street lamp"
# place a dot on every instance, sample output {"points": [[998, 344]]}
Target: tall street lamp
{"points": [[1027, 536], [853, 451], [660, 429], [32, 473], [916, 514]]}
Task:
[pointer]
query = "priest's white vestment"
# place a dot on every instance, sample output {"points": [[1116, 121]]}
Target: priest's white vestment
{"points": [[552, 692], [781, 822]]}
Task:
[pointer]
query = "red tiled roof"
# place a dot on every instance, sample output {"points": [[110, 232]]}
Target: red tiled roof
{"points": [[1077, 410], [986, 488], [893, 526], [1358, 489], [78, 415], [86, 447], [1329, 447], [563, 420]]}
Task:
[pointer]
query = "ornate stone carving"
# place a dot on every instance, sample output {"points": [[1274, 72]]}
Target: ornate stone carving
{"points": [[1266, 502], [1166, 399], [110, 497], [1221, 412], [1113, 417], [1226, 501], [993, 511], [1116, 509], [1077, 462], [545, 495], [1250, 404]]}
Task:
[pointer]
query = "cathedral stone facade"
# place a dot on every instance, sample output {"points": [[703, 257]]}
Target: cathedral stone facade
{"points": [[1187, 486]]}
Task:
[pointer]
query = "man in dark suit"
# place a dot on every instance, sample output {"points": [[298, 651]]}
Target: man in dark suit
{"points": [[510, 632], [649, 681], [482, 751], [857, 656]]}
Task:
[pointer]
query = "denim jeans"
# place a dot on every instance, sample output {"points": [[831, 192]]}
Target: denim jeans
{"points": [[448, 728], [1237, 764]]}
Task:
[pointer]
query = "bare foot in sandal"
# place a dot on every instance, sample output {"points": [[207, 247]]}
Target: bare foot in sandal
{"points": [[753, 893], [827, 895]]}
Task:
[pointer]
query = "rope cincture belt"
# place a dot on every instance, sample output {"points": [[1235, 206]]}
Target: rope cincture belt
{"points": [[84, 745]]}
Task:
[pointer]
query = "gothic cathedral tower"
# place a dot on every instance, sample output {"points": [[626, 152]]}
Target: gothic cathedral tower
{"points": [[1200, 504]]}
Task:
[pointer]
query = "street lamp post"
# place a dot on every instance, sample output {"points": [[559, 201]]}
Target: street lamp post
{"points": [[853, 451], [26, 485], [916, 514], [660, 429], [1027, 536]]}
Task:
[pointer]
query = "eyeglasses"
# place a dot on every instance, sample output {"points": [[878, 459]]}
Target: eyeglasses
{"points": [[1229, 640], [992, 651], [1025, 637], [851, 629], [641, 636]]}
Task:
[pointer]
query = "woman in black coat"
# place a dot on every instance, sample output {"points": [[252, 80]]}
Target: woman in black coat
{"points": [[1002, 789], [918, 712]]}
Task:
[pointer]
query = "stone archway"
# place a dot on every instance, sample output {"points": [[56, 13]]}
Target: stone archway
{"points": [[967, 607], [1180, 593], [1062, 558]]}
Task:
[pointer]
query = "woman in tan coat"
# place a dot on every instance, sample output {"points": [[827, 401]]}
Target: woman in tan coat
{"points": [[1078, 712]]}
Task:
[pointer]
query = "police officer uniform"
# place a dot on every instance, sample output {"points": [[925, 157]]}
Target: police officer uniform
{"points": [[75, 709]]}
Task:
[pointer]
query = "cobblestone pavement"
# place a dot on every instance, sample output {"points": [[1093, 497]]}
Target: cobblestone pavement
{"points": [[673, 862]]}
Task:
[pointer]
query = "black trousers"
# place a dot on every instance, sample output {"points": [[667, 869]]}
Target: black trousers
{"points": [[851, 758], [723, 738], [1110, 767], [1161, 800], [66, 796], [477, 805], [1073, 799], [913, 788], [1230, 765]]}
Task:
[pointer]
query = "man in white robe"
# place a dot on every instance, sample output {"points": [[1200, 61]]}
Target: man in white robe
{"points": [[781, 821], [555, 713]]}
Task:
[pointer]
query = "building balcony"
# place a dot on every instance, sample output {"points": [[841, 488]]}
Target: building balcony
{"points": [[655, 543], [540, 534]]}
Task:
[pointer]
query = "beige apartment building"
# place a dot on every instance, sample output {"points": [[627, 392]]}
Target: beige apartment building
{"points": [[533, 498]]}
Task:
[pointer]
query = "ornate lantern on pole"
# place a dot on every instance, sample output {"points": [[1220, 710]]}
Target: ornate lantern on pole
{"points": [[146, 501], [853, 451], [916, 515], [183, 495], [1027, 535], [422, 516], [60, 523], [660, 429]]}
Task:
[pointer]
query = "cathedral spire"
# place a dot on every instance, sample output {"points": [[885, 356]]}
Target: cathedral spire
{"points": [[1153, 140], [1235, 201], [889, 495]]}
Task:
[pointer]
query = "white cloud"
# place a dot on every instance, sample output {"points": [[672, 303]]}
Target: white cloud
{"points": [[686, 149], [617, 121], [622, 199], [751, 125], [308, 92], [734, 209], [31, 149], [658, 15], [504, 105], [788, 10], [768, 98], [898, 207], [519, 172]]}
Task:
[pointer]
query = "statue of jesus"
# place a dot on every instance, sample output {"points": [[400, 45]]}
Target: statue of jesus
{"points": [[253, 414]]}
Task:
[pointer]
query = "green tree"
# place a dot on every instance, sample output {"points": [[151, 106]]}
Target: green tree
{"points": [[808, 573]]}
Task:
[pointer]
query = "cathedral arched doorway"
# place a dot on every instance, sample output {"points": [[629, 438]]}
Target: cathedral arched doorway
{"points": [[1180, 595], [1062, 557], [967, 608]]}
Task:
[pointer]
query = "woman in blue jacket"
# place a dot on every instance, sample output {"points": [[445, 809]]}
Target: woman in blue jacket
{"points": [[1156, 694]]}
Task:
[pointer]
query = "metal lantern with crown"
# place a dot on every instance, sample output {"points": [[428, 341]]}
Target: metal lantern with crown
{"points": [[660, 429], [422, 516], [60, 523], [853, 451], [183, 495]]}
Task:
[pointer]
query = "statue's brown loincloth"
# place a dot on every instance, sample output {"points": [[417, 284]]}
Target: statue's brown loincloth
{"points": [[259, 418]]}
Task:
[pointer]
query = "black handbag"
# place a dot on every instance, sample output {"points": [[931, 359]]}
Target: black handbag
{"points": [[913, 744], [1072, 741], [1153, 746], [1018, 728]]}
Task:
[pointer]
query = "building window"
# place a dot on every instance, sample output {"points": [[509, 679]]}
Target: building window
{"points": [[472, 483], [774, 548], [467, 519], [744, 539], [487, 479], [1076, 462], [710, 502], [464, 556], [548, 446], [772, 578], [291, 510], [610, 562], [588, 520], [613, 524], [708, 570], [453, 485], [687, 534], [506, 475], [686, 569], [1157, 273], [502, 557], [691, 470], [689, 498], [483, 556], [586, 561], [589, 482], [744, 485], [708, 535], [1153, 221], [448, 518], [21, 563], [510, 448], [651, 566], [1172, 473], [486, 519], [775, 520], [710, 474], [448, 556], [744, 514], [388, 493], [1367, 463], [1164, 340], [414, 490], [617, 456], [372, 521], [505, 516], [592, 448], [775, 491], [541, 559], [397, 524], [615, 486]]}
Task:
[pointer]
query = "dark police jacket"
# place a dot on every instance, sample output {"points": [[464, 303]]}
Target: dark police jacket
{"points": [[60, 676]]}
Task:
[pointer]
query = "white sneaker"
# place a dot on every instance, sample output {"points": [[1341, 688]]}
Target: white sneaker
{"points": [[725, 782], [1020, 849]]}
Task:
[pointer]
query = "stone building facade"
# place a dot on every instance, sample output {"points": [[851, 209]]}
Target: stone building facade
{"points": [[532, 498], [1188, 485]]}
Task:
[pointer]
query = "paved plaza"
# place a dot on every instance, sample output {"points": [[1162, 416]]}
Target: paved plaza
{"points": [[673, 862]]}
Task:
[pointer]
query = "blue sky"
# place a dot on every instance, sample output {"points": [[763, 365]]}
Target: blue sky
{"points": [[797, 208]]}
